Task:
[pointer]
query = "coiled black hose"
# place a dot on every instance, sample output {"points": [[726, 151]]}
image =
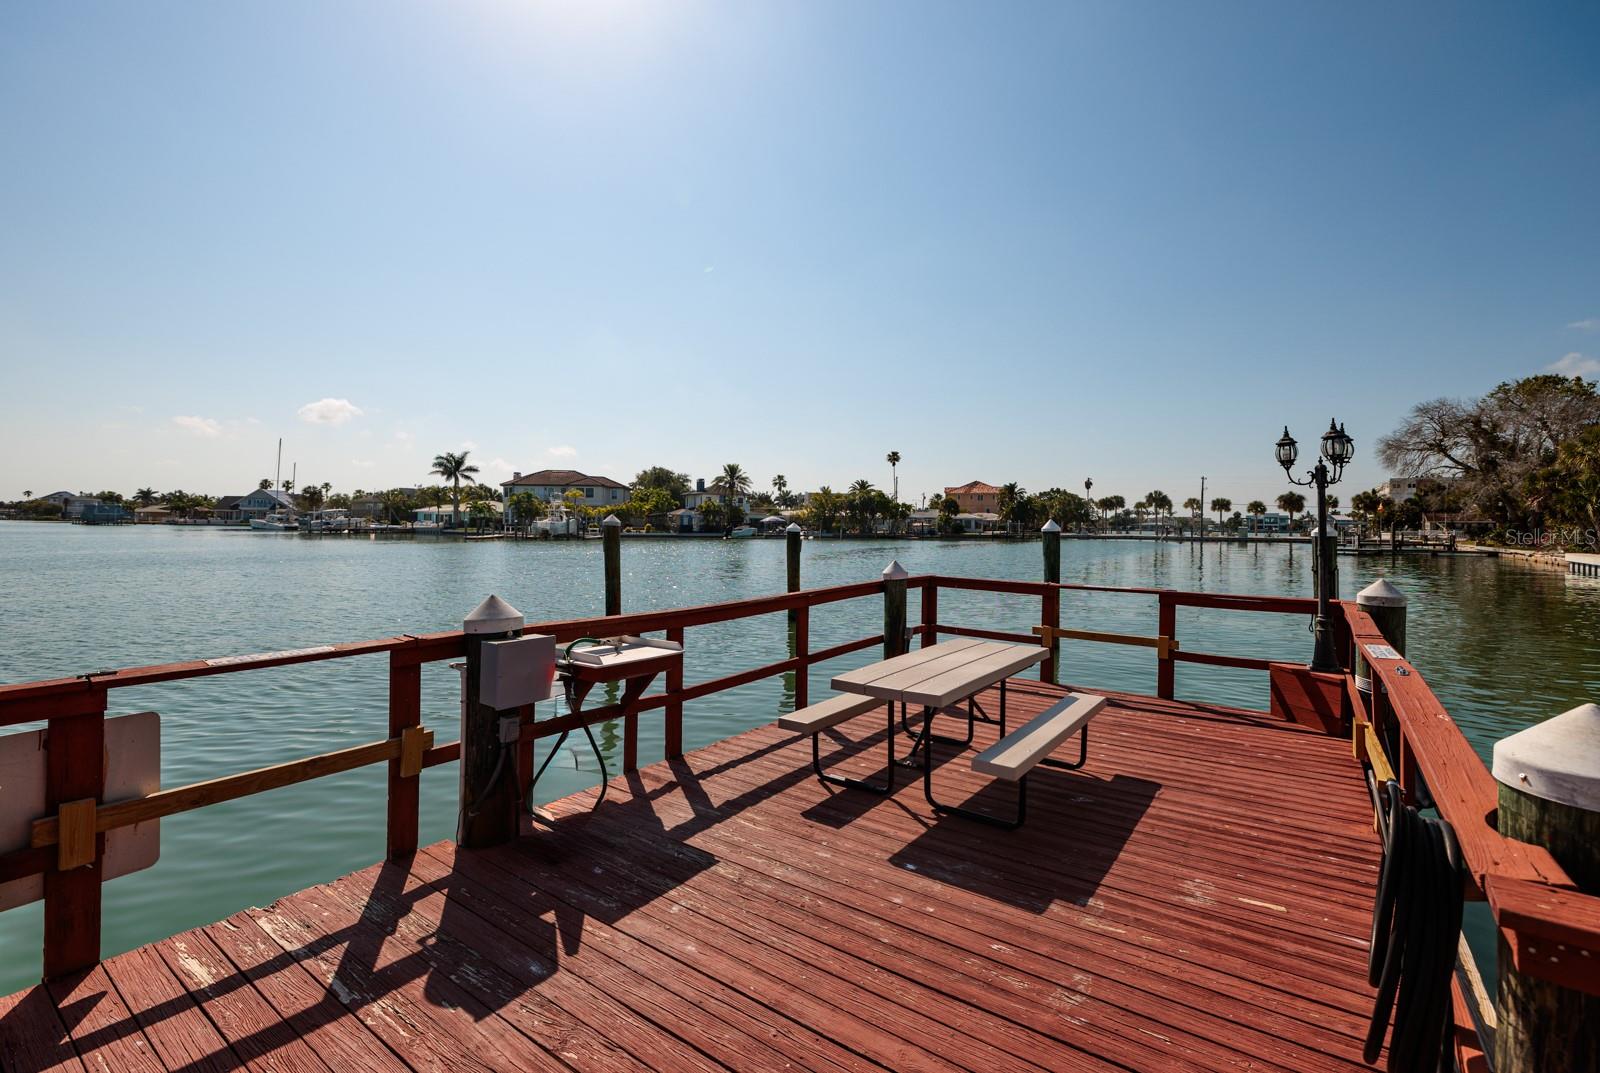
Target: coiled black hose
{"points": [[1416, 920]]}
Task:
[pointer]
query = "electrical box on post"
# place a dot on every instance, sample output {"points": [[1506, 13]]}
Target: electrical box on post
{"points": [[517, 672]]}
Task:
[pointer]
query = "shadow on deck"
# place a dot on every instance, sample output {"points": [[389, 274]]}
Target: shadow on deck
{"points": [[1196, 898]]}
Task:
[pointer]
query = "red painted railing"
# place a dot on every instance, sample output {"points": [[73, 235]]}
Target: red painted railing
{"points": [[1512, 875]]}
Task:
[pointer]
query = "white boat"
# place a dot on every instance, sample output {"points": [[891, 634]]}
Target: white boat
{"points": [[743, 532], [332, 520], [559, 522], [281, 521]]}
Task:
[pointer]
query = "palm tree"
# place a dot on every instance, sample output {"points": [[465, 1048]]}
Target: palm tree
{"points": [[1256, 509], [1010, 498], [1293, 503], [27, 493], [145, 496], [860, 486], [453, 468], [780, 491], [1221, 505], [735, 482], [893, 458], [264, 484]]}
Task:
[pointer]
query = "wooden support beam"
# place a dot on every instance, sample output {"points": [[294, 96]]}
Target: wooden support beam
{"points": [[47, 831], [75, 847], [414, 742], [1163, 645]]}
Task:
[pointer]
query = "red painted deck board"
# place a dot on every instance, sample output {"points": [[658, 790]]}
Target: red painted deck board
{"points": [[1197, 898]]}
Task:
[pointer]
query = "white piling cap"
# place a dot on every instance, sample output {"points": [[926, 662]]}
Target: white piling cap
{"points": [[894, 571], [1557, 760], [1380, 594], [793, 527], [611, 519], [1050, 527], [494, 615]]}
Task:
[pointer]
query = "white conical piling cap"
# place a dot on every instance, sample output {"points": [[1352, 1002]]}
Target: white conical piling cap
{"points": [[1381, 594], [1557, 760], [611, 519], [793, 527], [894, 571], [1050, 527], [494, 615]]}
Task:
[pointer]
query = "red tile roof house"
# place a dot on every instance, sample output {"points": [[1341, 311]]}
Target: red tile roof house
{"points": [[975, 497], [553, 484]]}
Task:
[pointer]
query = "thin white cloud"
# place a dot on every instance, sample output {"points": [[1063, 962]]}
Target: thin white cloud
{"points": [[1575, 364], [562, 450], [362, 463], [205, 427], [404, 436], [329, 412], [1590, 325], [468, 445]]}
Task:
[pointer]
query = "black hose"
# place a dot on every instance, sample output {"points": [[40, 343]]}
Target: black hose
{"points": [[1416, 922]]}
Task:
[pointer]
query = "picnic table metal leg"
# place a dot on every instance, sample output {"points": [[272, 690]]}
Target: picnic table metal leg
{"points": [[971, 814], [1083, 754], [928, 713], [885, 787]]}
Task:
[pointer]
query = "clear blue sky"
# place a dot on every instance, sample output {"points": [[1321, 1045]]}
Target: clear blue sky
{"points": [[1014, 242]]}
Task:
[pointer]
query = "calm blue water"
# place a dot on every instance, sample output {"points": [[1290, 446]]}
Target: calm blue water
{"points": [[1503, 646]]}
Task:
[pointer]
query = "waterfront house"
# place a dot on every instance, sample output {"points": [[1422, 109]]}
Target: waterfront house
{"points": [[717, 492], [98, 512], [1399, 489], [552, 486], [259, 504], [975, 497], [684, 520], [72, 506]]}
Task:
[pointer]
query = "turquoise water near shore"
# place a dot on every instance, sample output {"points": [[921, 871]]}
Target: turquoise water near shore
{"points": [[1502, 645]]}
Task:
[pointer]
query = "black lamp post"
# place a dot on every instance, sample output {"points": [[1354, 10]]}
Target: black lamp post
{"points": [[1088, 483], [1337, 451]]}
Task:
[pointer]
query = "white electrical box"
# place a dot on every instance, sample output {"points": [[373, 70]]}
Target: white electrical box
{"points": [[517, 672]]}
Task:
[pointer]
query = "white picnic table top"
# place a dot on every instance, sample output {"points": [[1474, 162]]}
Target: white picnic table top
{"points": [[941, 674]]}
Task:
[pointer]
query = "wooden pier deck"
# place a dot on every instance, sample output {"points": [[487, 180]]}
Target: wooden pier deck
{"points": [[1197, 898]]}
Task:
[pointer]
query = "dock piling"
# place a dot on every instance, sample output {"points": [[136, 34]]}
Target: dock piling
{"points": [[1549, 776], [791, 537], [894, 609], [1386, 606], [611, 541], [1050, 609], [488, 792]]}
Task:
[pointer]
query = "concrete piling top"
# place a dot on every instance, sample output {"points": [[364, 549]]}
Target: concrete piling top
{"points": [[1050, 527], [1381, 594], [894, 571], [611, 519], [494, 615], [793, 527], [1556, 760]]}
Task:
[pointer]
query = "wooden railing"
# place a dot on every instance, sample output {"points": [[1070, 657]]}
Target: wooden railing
{"points": [[1512, 875], [1550, 930]]}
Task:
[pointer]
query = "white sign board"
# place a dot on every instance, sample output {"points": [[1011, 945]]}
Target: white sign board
{"points": [[1381, 652], [133, 770]]}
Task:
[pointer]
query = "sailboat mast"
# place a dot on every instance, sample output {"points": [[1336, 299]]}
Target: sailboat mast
{"points": [[277, 476]]}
